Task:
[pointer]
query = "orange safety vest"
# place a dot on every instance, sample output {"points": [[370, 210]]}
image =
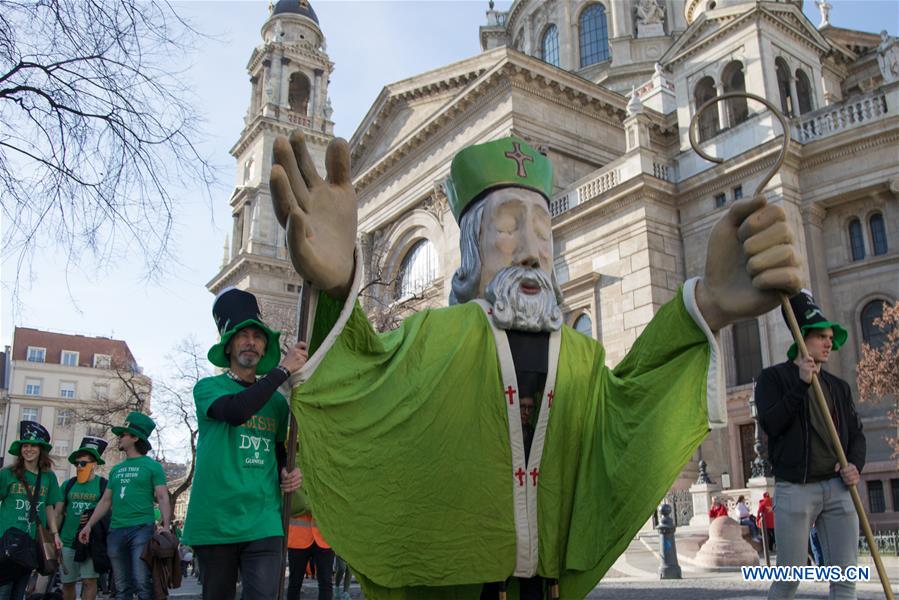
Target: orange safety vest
{"points": [[303, 532]]}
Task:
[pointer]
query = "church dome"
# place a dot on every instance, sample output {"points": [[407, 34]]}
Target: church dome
{"points": [[295, 7]]}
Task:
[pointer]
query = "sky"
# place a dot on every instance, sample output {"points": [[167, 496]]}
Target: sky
{"points": [[372, 43]]}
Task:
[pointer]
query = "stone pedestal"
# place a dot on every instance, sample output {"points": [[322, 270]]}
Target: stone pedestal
{"points": [[650, 30], [702, 501], [758, 486], [726, 546]]}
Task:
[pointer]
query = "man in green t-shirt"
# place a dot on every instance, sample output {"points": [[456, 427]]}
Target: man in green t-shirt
{"points": [[233, 520], [80, 496], [135, 485]]}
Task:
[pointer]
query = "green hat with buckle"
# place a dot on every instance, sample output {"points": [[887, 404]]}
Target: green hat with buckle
{"points": [[137, 424], [31, 432], [90, 445], [508, 162]]}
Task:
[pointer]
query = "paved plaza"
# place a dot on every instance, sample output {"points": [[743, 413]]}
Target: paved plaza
{"points": [[634, 577]]}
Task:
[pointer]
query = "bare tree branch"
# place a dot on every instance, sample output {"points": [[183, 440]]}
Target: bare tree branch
{"points": [[95, 128]]}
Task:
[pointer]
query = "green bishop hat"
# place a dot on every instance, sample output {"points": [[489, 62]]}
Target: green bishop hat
{"points": [[507, 162], [137, 424]]}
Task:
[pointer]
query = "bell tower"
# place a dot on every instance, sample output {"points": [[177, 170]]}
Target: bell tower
{"points": [[289, 74]]}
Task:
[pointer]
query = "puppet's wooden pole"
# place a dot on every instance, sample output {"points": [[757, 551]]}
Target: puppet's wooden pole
{"points": [[302, 329]]}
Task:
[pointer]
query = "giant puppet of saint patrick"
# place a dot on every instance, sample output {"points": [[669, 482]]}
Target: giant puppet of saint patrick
{"points": [[420, 469]]}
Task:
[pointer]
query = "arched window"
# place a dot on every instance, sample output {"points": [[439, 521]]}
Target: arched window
{"points": [[783, 86], [298, 93], [708, 121], [878, 234], [856, 241], [418, 269], [873, 335], [804, 92], [550, 45], [593, 31], [734, 81], [584, 324]]}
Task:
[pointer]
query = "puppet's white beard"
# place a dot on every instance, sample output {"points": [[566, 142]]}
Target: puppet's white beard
{"points": [[513, 309]]}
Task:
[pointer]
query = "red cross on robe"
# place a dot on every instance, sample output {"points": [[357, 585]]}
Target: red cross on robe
{"points": [[510, 392], [520, 474], [550, 396], [534, 474]]}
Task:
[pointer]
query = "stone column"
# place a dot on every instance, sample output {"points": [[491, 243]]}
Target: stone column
{"points": [[721, 106], [794, 97], [283, 92], [316, 91]]}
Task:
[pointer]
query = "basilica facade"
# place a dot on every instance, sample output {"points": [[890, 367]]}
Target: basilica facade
{"points": [[607, 91]]}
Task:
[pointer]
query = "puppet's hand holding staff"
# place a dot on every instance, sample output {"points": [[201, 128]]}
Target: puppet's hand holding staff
{"points": [[751, 259], [318, 215]]}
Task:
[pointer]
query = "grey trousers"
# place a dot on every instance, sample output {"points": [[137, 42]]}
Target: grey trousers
{"points": [[828, 505]]}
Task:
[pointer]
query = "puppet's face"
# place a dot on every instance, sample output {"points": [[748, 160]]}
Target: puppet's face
{"points": [[517, 260]]}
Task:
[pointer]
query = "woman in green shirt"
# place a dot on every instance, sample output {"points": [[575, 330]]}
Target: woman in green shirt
{"points": [[17, 484]]}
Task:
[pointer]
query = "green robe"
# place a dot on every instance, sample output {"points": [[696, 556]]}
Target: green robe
{"points": [[408, 454]]}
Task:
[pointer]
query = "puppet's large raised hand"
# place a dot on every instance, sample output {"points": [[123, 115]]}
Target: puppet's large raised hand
{"points": [[751, 258], [319, 215]]}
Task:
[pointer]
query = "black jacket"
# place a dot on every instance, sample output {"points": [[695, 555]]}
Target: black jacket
{"points": [[782, 399]]}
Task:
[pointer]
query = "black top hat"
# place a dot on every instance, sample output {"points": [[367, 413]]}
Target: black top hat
{"points": [[233, 310], [809, 316], [90, 445], [31, 432]]}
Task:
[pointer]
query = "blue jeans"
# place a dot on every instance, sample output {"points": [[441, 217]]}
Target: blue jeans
{"points": [[15, 589], [132, 575]]}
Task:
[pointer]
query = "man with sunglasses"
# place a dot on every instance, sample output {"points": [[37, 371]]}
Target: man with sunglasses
{"points": [[81, 494]]}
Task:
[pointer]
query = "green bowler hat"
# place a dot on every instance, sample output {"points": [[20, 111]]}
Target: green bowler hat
{"points": [[137, 424], [90, 445], [508, 162]]}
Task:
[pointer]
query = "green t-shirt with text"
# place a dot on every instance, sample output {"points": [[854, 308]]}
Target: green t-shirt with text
{"points": [[132, 483], [14, 499], [82, 497], [235, 495]]}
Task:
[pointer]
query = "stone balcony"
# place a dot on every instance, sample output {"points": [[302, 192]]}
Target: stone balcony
{"points": [[631, 165], [849, 114]]}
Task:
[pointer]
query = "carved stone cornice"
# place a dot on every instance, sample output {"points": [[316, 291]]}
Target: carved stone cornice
{"points": [[813, 214], [246, 264], [724, 175], [850, 148], [532, 76], [261, 123], [587, 281], [767, 12]]}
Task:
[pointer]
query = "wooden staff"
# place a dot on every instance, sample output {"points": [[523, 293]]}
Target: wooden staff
{"points": [[820, 405], [302, 330]]}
